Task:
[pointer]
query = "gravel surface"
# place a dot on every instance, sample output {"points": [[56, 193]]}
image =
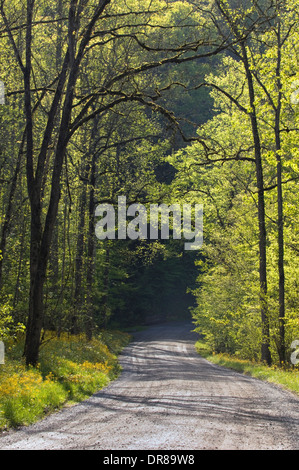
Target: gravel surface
{"points": [[169, 398]]}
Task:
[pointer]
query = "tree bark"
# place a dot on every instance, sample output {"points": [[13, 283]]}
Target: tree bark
{"points": [[280, 215], [243, 56], [89, 315], [265, 347], [78, 297], [8, 214]]}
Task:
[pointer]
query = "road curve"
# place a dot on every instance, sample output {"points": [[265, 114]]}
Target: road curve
{"points": [[169, 398]]}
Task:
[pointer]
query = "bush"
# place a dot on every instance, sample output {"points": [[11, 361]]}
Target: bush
{"points": [[286, 377], [25, 396], [70, 369]]}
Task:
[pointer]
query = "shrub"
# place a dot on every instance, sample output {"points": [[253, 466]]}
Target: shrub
{"points": [[70, 368]]}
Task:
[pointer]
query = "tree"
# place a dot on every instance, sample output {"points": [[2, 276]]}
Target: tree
{"points": [[269, 75], [64, 105], [252, 97], [236, 26]]}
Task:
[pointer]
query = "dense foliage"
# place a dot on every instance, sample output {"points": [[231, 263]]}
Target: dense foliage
{"points": [[160, 101], [228, 294]]}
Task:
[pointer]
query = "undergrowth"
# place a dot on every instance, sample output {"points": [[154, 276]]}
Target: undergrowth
{"points": [[287, 377], [70, 369]]}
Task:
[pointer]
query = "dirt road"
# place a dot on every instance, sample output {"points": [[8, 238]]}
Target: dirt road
{"points": [[168, 397]]}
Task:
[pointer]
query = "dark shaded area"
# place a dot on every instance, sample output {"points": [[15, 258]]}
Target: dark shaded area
{"points": [[155, 287]]}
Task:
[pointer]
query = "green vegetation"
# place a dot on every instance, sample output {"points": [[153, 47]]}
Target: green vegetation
{"points": [[90, 95], [161, 102], [285, 377], [246, 175], [70, 370]]}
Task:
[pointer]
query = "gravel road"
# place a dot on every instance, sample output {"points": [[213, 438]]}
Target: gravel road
{"points": [[169, 398]]}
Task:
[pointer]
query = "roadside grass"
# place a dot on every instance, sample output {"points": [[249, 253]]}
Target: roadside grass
{"points": [[285, 377], [70, 370]]}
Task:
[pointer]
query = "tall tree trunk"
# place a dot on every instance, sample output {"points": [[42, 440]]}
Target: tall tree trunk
{"points": [[243, 56], [41, 239], [8, 214], [106, 285], [54, 258], [280, 217], [78, 297], [89, 316], [265, 348], [35, 294], [89, 320], [21, 260]]}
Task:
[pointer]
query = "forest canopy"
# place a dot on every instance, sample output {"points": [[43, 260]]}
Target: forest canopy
{"points": [[174, 102]]}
